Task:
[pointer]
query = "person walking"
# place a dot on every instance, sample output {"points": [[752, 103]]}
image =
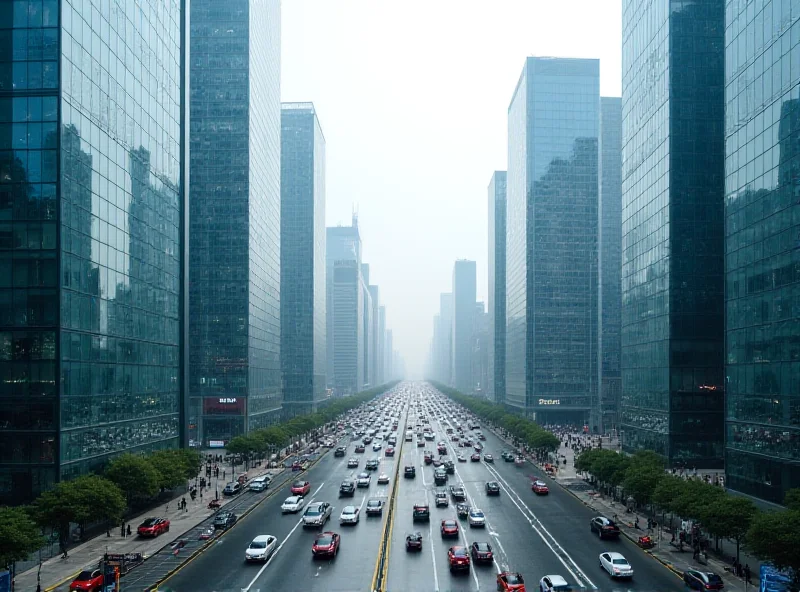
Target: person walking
{"points": [[128, 530], [747, 573]]}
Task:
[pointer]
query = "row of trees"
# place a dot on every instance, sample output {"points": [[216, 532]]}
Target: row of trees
{"points": [[129, 480], [259, 442], [525, 430], [772, 536]]}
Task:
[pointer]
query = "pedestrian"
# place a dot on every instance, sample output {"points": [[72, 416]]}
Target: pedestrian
{"points": [[128, 530], [223, 474], [747, 573], [122, 529]]}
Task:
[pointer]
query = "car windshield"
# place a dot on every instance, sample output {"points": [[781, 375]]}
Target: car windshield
{"points": [[346, 484], [619, 561], [291, 500], [349, 510], [476, 514], [482, 547], [449, 523], [84, 575], [258, 545], [514, 579], [713, 578], [313, 511], [223, 516], [324, 540], [460, 552], [373, 503], [149, 522], [299, 484]]}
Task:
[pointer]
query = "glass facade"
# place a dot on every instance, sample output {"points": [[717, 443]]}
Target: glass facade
{"points": [[610, 258], [91, 236], [762, 247], [464, 287], [672, 230], [235, 218], [497, 287], [551, 241], [302, 259]]}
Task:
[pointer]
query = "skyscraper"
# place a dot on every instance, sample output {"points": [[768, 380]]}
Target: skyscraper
{"points": [[235, 218], [375, 345], [497, 287], [303, 341], [551, 241], [762, 249], [367, 326], [445, 346], [381, 354], [93, 268], [463, 324], [673, 230], [610, 241]]}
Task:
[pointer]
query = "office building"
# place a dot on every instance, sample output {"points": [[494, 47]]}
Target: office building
{"points": [[390, 357], [463, 321], [235, 230], [672, 230], [367, 326], [497, 288], [381, 353], [444, 347], [93, 266], [610, 241], [303, 342], [374, 366], [762, 249], [551, 242], [480, 349]]}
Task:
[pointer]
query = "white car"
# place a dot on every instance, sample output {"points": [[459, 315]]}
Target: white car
{"points": [[350, 515], [261, 549], [292, 504], [377, 446], [352, 463], [317, 514], [364, 480], [383, 479], [616, 565], [477, 517], [554, 584]]}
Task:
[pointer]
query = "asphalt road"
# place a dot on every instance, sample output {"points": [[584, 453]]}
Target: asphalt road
{"points": [[533, 535]]}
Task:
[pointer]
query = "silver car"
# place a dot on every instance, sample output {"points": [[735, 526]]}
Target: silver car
{"points": [[317, 514]]}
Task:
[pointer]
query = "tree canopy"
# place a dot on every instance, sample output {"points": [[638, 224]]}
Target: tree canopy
{"points": [[19, 535], [775, 537], [135, 476]]}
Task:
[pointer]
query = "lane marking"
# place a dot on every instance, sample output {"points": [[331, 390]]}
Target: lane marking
{"points": [[271, 557]]}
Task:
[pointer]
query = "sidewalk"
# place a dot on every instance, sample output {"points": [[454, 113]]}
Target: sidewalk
{"points": [[56, 571]]}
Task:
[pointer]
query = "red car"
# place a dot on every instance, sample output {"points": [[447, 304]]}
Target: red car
{"points": [[540, 488], [510, 580], [301, 487], [458, 558], [428, 457], [475, 457], [326, 543], [92, 581], [390, 451], [449, 528], [153, 527]]}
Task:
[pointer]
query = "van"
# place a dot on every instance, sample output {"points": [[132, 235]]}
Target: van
{"points": [[409, 436], [260, 483]]}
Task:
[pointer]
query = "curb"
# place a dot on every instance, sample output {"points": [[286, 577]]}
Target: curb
{"points": [[62, 582]]}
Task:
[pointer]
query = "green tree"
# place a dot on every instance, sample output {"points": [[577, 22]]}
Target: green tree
{"points": [[641, 481], [729, 517], [191, 461], [692, 501], [667, 490], [19, 536], [792, 499], [170, 466], [775, 537], [135, 476]]}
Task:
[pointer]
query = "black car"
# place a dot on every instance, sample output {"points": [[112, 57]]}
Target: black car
{"points": [[440, 476], [372, 464], [481, 552], [449, 467], [604, 527], [347, 488], [492, 488], [409, 472], [458, 493], [340, 451], [702, 580], [374, 507], [422, 512], [224, 520], [414, 542]]}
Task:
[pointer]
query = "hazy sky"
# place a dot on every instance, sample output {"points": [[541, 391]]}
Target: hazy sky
{"points": [[412, 96]]}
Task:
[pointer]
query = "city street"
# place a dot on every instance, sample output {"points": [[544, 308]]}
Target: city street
{"points": [[533, 535]]}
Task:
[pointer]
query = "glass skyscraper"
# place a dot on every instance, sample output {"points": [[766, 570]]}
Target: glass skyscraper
{"points": [[610, 240], [234, 339], [92, 236], [497, 287], [303, 344], [762, 247], [551, 241], [464, 287], [672, 229]]}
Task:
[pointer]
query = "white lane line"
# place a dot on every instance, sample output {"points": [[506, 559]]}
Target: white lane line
{"points": [[433, 554], [274, 553]]}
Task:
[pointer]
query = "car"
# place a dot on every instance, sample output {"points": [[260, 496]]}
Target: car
{"points": [[702, 580], [440, 476], [361, 448], [383, 479], [90, 580], [224, 520], [458, 558], [420, 443], [449, 528], [260, 483], [462, 510], [409, 472], [347, 488], [616, 565], [449, 467], [352, 463], [510, 581], [206, 534], [488, 458], [441, 499], [261, 548], [427, 457], [604, 527], [340, 451], [300, 487], [389, 451], [492, 488], [317, 514], [458, 493], [232, 488], [292, 504], [372, 464], [437, 463], [350, 515], [374, 507], [540, 487], [477, 518], [414, 542], [326, 544], [153, 527], [508, 457], [422, 512], [364, 479], [377, 446], [554, 584], [481, 552], [481, 437]]}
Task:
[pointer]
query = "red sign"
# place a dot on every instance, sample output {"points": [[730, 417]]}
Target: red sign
{"points": [[223, 405]]}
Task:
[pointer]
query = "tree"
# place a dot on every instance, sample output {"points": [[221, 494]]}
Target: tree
{"points": [[775, 537], [171, 468], [19, 536], [692, 501], [730, 517], [667, 490], [792, 499], [135, 476], [641, 481]]}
